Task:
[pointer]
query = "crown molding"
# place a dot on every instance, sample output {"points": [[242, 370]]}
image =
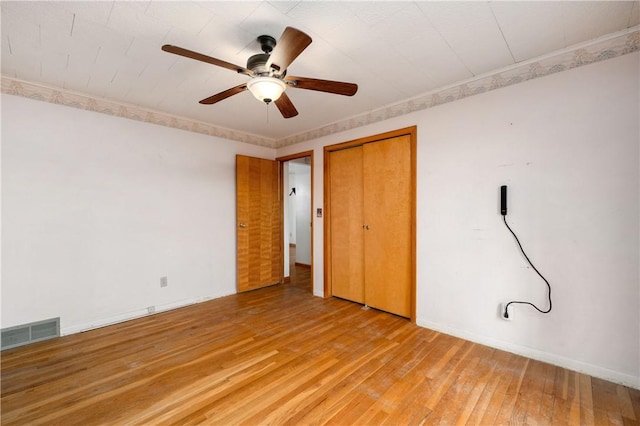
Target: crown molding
{"points": [[41, 92], [603, 48], [607, 47]]}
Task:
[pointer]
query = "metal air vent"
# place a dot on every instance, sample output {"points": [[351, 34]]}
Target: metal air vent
{"points": [[29, 333]]}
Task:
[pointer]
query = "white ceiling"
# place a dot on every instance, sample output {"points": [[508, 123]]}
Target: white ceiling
{"points": [[392, 50]]}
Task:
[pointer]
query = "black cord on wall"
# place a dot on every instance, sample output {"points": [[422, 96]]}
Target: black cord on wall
{"points": [[506, 308]]}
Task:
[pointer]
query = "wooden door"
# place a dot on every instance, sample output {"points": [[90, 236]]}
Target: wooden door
{"points": [[259, 249], [347, 264], [387, 219]]}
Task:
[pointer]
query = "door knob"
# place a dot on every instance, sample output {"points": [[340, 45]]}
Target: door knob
{"points": [[242, 225]]}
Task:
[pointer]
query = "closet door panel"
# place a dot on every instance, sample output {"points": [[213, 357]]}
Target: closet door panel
{"points": [[347, 264], [387, 214]]}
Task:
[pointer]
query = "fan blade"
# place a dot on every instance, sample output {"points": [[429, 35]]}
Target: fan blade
{"points": [[285, 106], [204, 58], [291, 44], [337, 87], [224, 95]]}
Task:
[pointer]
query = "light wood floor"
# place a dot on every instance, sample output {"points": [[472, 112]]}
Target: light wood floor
{"points": [[300, 275], [281, 356]]}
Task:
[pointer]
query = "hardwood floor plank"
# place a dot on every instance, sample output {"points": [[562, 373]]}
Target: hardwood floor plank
{"points": [[547, 399], [345, 389], [635, 402], [560, 411], [607, 400], [477, 384], [278, 355], [504, 361], [506, 413], [349, 414], [208, 389], [586, 401], [624, 402], [408, 376], [411, 408], [492, 380], [574, 412], [279, 388]]}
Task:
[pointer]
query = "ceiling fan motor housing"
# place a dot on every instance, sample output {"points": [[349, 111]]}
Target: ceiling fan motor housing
{"points": [[258, 64]]}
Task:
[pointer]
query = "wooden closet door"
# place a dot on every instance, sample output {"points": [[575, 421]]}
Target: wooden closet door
{"points": [[387, 210], [347, 264]]}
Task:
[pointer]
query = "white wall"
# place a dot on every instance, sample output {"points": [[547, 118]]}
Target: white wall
{"points": [[568, 147], [302, 202], [291, 203], [95, 209], [287, 218]]}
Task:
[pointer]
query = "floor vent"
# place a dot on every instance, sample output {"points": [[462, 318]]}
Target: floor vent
{"points": [[30, 333]]}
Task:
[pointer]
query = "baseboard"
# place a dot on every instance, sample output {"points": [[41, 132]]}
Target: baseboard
{"points": [[557, 360], [138, 313]]}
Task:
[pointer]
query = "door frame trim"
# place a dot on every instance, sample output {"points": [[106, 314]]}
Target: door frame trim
{"points": [[281, 161], [412, 132]]}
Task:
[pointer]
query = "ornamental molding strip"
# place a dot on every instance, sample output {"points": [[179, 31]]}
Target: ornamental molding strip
{"points": [[607, 47], [41, 92]]}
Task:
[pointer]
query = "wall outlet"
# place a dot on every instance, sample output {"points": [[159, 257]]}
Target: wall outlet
{"points": [[151, 309], [164, 282], [510, 312]]}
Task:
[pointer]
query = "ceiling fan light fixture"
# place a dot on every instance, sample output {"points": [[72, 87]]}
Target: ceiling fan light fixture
{"points": [[266, 89]]}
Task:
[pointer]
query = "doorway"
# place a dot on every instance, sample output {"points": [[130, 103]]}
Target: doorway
{"points": [[297, 223]]}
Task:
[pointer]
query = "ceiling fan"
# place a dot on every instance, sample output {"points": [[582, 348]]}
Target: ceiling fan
{"points": [[268, 72]]}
